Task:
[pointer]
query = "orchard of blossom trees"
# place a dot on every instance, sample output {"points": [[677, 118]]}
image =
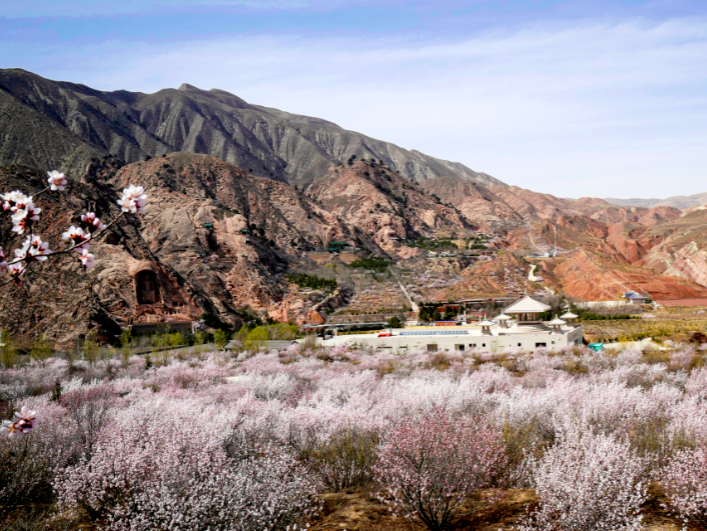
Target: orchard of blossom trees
{"points": [[255, 440]]}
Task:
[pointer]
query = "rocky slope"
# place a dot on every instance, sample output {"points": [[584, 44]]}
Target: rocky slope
{"points": [[222, 238], [385, 206], [62, 125]]}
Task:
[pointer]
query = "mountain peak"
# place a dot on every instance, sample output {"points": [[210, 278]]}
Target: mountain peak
{"points": [[186, 87]]}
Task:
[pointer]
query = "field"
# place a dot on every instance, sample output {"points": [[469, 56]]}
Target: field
{"points": [[267, 440], [671, 323]]}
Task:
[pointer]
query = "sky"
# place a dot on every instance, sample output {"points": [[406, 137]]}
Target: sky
{"points": [[574, 98]]}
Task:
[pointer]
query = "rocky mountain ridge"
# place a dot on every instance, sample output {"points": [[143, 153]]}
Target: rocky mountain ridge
{"points": [[677, 201], [63, 125]]}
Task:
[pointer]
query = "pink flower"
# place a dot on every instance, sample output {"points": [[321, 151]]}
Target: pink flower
{"points": [[93, 221], [133, 199], [77, 237], [56, 180], [3, 263], [87, 258]]}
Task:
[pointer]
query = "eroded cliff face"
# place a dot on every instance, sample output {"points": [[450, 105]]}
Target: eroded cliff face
{"points": [[384, 206], [61, 298], [587, 276]]}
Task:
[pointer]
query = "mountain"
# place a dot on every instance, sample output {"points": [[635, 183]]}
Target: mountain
{"points": [[677, 201], [215, 239], [61, 125], [243, 196]]}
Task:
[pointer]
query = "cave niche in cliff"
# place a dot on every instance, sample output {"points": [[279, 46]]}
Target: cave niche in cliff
{"points": [[148, 291]]}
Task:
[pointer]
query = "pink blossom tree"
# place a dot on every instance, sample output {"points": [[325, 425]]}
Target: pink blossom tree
{"points": [[587, 482], [428, 467], [685, 482]]}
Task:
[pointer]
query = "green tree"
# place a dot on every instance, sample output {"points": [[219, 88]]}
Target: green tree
{"points": [[200, 338], [42, 349], [90, 349], [221, 338], [126, 338], [56, 392], [256, 338], [8, 353], [176, 340], [394, 322], [126, 344], [283, 331]]}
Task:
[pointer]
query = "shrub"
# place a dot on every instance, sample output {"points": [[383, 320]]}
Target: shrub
{"points": [[587, 482], [685, 481], [374, 263], [159, 469], [345, 460], [221, 338], [311, 281], [429, 467], [256, 338], [28, 462]]}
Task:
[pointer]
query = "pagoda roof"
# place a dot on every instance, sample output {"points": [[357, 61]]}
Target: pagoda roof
{"points": [[557, 322], [527, 305], [486, 323], [568, 315], [503, 317]]}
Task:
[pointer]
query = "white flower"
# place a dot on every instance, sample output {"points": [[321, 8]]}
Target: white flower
{"points": [[16, 270], [36, 248], [15, 200], [93, 222], [77, 236], [56, 180], [10, 428], [87, 258], [26, 414], [24, 215], [133, 199]]}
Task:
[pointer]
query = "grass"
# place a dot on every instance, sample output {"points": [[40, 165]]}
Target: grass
{"points": [[671, 322], [486, 511]]}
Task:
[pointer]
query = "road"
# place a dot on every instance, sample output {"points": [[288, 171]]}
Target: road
{"points": [[413, 305]]}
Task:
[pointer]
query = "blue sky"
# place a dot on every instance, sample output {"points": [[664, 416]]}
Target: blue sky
{"points": [[574, 98]]}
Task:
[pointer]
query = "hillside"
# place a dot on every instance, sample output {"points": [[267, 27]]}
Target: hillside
{"points": [[223, 238], [62, 125], [677, 201]]}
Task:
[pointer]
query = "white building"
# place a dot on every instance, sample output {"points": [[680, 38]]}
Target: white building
{"points": [[526, 332]]}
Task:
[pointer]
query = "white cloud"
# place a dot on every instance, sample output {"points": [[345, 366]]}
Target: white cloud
{"points": [[595, 109]]}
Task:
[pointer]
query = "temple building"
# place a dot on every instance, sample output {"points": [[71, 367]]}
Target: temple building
{"points": [[526, 332]]}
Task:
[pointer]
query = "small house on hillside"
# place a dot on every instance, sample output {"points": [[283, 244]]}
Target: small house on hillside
{"points": [[634, 298]]}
